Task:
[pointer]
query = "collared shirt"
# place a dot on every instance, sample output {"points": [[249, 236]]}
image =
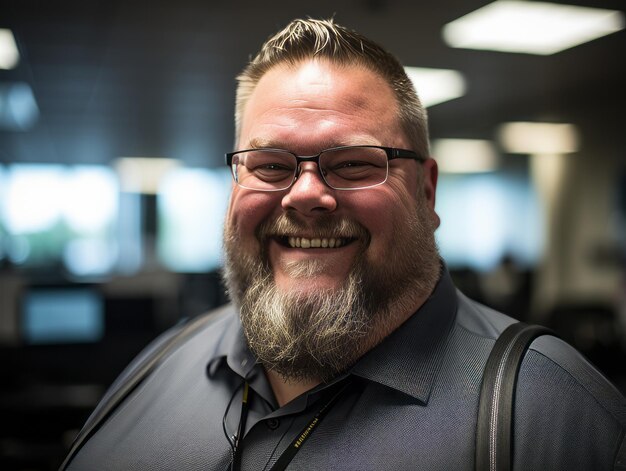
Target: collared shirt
{"points": [[411, 403]]}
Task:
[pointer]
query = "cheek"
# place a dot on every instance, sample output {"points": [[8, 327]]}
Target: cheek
{"points": [[248, 209], [384, 212]]}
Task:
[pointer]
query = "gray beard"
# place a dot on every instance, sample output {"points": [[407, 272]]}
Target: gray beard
{"points": [[316, 336]]}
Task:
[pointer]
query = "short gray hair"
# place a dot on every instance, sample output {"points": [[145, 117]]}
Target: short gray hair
{"points": [[306, 39]]}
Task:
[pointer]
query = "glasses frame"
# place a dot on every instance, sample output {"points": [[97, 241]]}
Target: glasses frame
{"points": [[392, 154]]}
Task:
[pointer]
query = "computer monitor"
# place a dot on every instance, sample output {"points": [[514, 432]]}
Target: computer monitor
{"points": [[61, 315]]}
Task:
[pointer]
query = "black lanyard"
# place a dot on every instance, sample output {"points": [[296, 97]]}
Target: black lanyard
{"points": [[297, 443]]}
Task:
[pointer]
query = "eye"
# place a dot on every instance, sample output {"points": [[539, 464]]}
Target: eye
{"points": [[272, 166], [351, 164], [272, 171]]}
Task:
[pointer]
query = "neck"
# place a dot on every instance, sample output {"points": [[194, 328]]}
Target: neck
{"points": [[287, 390]]}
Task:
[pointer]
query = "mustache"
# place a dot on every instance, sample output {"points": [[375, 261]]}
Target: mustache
{"points": [[289, 224]]}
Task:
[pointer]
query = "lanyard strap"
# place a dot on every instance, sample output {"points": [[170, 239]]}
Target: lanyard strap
{"points": [[294, 447], [297, 443], [241, 430]]}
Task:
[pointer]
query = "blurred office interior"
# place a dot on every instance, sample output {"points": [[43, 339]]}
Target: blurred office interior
{"points": [[114, 118]]}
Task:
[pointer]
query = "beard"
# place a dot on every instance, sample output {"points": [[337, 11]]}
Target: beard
{"points": [[303, 335]]}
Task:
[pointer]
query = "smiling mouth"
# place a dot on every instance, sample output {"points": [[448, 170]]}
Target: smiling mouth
{"points": [[315, 242]]}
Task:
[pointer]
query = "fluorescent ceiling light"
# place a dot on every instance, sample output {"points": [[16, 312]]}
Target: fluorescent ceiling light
{"points": [[436, 85], [143, 174], [531, 27], [9, 56], [465, 155], [538, 138]]}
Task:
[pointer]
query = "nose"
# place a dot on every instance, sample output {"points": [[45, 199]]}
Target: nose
{"points": [[310, 195]]}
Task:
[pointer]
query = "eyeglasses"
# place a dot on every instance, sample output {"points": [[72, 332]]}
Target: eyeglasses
{"points": [[342, 168]]}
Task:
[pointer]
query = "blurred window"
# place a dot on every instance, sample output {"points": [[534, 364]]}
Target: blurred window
{"points": [[191, 208], [60, 214], [487, 216]]}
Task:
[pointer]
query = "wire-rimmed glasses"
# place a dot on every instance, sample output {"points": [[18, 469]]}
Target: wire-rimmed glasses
{"points": [[342, 168]]}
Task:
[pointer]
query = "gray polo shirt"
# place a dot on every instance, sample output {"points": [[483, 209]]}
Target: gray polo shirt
{"points": [[411, 403]]}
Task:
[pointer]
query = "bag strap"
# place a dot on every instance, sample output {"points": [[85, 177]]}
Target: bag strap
{"points": [[128, 384], [495, 411]]}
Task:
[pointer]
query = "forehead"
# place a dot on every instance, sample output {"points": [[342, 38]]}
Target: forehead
{"points": [[322, 101]]}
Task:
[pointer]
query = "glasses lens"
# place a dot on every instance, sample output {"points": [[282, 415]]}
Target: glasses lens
{"points": [[264, 169], [354, 167]]}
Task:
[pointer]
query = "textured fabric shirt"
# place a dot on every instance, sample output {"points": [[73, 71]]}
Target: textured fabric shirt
{"points": [[412, 403]]}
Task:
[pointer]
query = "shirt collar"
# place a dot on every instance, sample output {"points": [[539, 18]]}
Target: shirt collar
{"points": [[232, 347], [232, 350], [409, 358]]}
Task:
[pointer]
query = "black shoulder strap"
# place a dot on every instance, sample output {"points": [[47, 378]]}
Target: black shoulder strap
{"points": [[139, 372], [495, 410]]}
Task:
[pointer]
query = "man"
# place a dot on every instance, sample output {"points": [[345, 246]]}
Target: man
{"points": [[347, 345]]}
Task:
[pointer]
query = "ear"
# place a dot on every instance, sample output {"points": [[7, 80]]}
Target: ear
{"points": [[431, 174]]}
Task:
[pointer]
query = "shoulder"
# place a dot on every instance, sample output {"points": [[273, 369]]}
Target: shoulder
{"points": [[149, 382], [207, 328], [549, 363], [562, 402], [179, 343], [479, 319], [567, 414]]}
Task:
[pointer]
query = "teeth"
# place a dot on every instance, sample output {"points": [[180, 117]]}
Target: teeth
{"points": [[302, 242]]}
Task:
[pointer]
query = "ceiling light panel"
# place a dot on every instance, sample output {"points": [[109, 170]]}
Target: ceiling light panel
{"points": [[465, 155], [9, 55], [436, 85], [531, 27], [538, 138], [143, 174]]}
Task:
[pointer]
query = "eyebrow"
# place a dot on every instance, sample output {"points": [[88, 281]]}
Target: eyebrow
{"points": [[259, 143]]}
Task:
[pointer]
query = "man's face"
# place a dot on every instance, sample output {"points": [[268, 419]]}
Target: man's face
{"points": [[306, 109], [384, 232]]}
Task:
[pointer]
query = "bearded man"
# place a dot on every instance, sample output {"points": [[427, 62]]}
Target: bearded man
{"points": [[346, 345]]}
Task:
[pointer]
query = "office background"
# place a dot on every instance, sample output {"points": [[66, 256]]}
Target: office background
{"points": [[113, 124]]}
